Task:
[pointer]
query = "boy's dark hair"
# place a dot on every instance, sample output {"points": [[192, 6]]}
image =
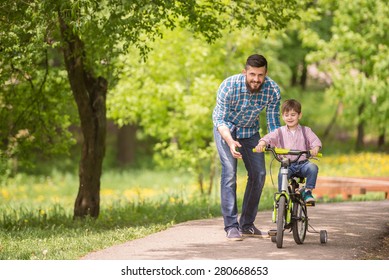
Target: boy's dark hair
{"points": [[256, 60], [291, 104]]}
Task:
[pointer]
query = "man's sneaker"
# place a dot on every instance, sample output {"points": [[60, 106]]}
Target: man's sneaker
{"points": [[254, 232], [233, 234], [307, 196]]}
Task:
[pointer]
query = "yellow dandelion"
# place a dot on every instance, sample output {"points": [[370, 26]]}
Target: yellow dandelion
{"points": [[107, 192], [147, 192], [130, 194], [40, 198], [5, 194]]}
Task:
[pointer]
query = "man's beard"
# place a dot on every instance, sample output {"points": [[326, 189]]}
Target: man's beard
{"points": [[253, 90]]}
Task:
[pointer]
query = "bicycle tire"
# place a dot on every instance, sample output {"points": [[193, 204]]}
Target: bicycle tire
{"points": [[280, 221], [300, 222]]}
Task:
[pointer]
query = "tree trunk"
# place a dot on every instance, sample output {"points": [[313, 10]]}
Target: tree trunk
{"points": [[361, 128], [293, 79], [200, 180], [126, 144], [303, 78], [381, 140], [332, 122], [89, 93]]}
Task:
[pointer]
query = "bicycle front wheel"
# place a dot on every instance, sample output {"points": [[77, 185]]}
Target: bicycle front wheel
{"points": [[300, 222], [280, 221]]}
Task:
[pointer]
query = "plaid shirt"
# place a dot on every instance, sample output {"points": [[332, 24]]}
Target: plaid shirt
{"points": [[239, 110]]}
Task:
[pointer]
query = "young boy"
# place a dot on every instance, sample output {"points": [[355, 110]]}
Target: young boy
{"points": [[294, 136]]}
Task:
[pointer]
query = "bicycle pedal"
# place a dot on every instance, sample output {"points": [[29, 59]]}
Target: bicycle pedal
{"points": [[311, 204]]}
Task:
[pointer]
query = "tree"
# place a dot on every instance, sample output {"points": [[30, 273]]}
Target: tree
{"points": [[357, 57], [297, 39], [92, 33]]}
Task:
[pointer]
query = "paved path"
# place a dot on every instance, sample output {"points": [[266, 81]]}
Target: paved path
{"points": [[353, 228]]}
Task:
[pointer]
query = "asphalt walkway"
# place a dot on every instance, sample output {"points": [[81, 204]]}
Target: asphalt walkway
{"points": [[354, 228]]}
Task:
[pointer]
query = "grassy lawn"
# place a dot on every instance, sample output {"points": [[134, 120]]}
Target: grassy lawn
{"points": [[36, 212]]}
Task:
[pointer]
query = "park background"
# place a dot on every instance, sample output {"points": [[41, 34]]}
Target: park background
{"points": [[106, 128]]}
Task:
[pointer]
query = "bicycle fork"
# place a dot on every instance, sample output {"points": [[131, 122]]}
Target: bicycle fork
{"points": [[288, 207], [284, 192]]}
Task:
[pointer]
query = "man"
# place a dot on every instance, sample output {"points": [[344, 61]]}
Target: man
{"points": [[240, 99]]}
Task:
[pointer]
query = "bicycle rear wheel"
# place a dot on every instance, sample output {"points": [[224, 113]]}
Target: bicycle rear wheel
{"points": [[300, 222], [280, 221]]}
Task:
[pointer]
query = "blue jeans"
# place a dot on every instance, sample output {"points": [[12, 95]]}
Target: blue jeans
{"points": [[305, 169], [256, 171]]}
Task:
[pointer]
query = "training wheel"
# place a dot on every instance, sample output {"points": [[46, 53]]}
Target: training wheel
{"points": [[323, 236], [273, 234]]}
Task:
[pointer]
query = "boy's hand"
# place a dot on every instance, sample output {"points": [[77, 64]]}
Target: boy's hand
{"points": [[260, 147], [315, 151]]}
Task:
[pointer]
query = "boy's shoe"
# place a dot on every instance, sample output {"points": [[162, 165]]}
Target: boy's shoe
{"points": [[307, 196], [253, 232], [233, 234]]}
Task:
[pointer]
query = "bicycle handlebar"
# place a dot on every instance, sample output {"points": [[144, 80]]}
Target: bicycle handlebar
{"points": [[279, 151]]}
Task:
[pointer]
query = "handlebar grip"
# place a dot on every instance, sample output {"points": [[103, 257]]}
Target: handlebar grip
{"points": [[282, 151]]}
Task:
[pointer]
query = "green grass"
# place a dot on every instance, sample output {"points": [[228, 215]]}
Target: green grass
{"points": [[36, 234], [36, 212]]}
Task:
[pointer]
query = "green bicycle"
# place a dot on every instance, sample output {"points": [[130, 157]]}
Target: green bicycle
{"points": [[290, 209]]}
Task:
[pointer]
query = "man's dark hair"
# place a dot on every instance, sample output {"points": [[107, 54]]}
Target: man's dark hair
{"points": [[256, 60]]}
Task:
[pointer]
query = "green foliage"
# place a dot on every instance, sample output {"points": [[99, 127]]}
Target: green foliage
{"points": [[33, 90], [357, 58], [4, 168]]}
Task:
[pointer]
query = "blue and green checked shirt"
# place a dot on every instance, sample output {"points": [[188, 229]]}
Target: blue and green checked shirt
{"points": [[239, 110]]}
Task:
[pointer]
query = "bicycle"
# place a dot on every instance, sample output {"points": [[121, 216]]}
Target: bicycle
{"points": [[290, 209]]}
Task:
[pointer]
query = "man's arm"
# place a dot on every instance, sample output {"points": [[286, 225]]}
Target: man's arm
{"points": [[273, 110], [222, 109]]}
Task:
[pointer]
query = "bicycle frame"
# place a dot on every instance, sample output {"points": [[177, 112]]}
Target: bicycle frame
{"points": [[285, 192], [289, 209]]}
